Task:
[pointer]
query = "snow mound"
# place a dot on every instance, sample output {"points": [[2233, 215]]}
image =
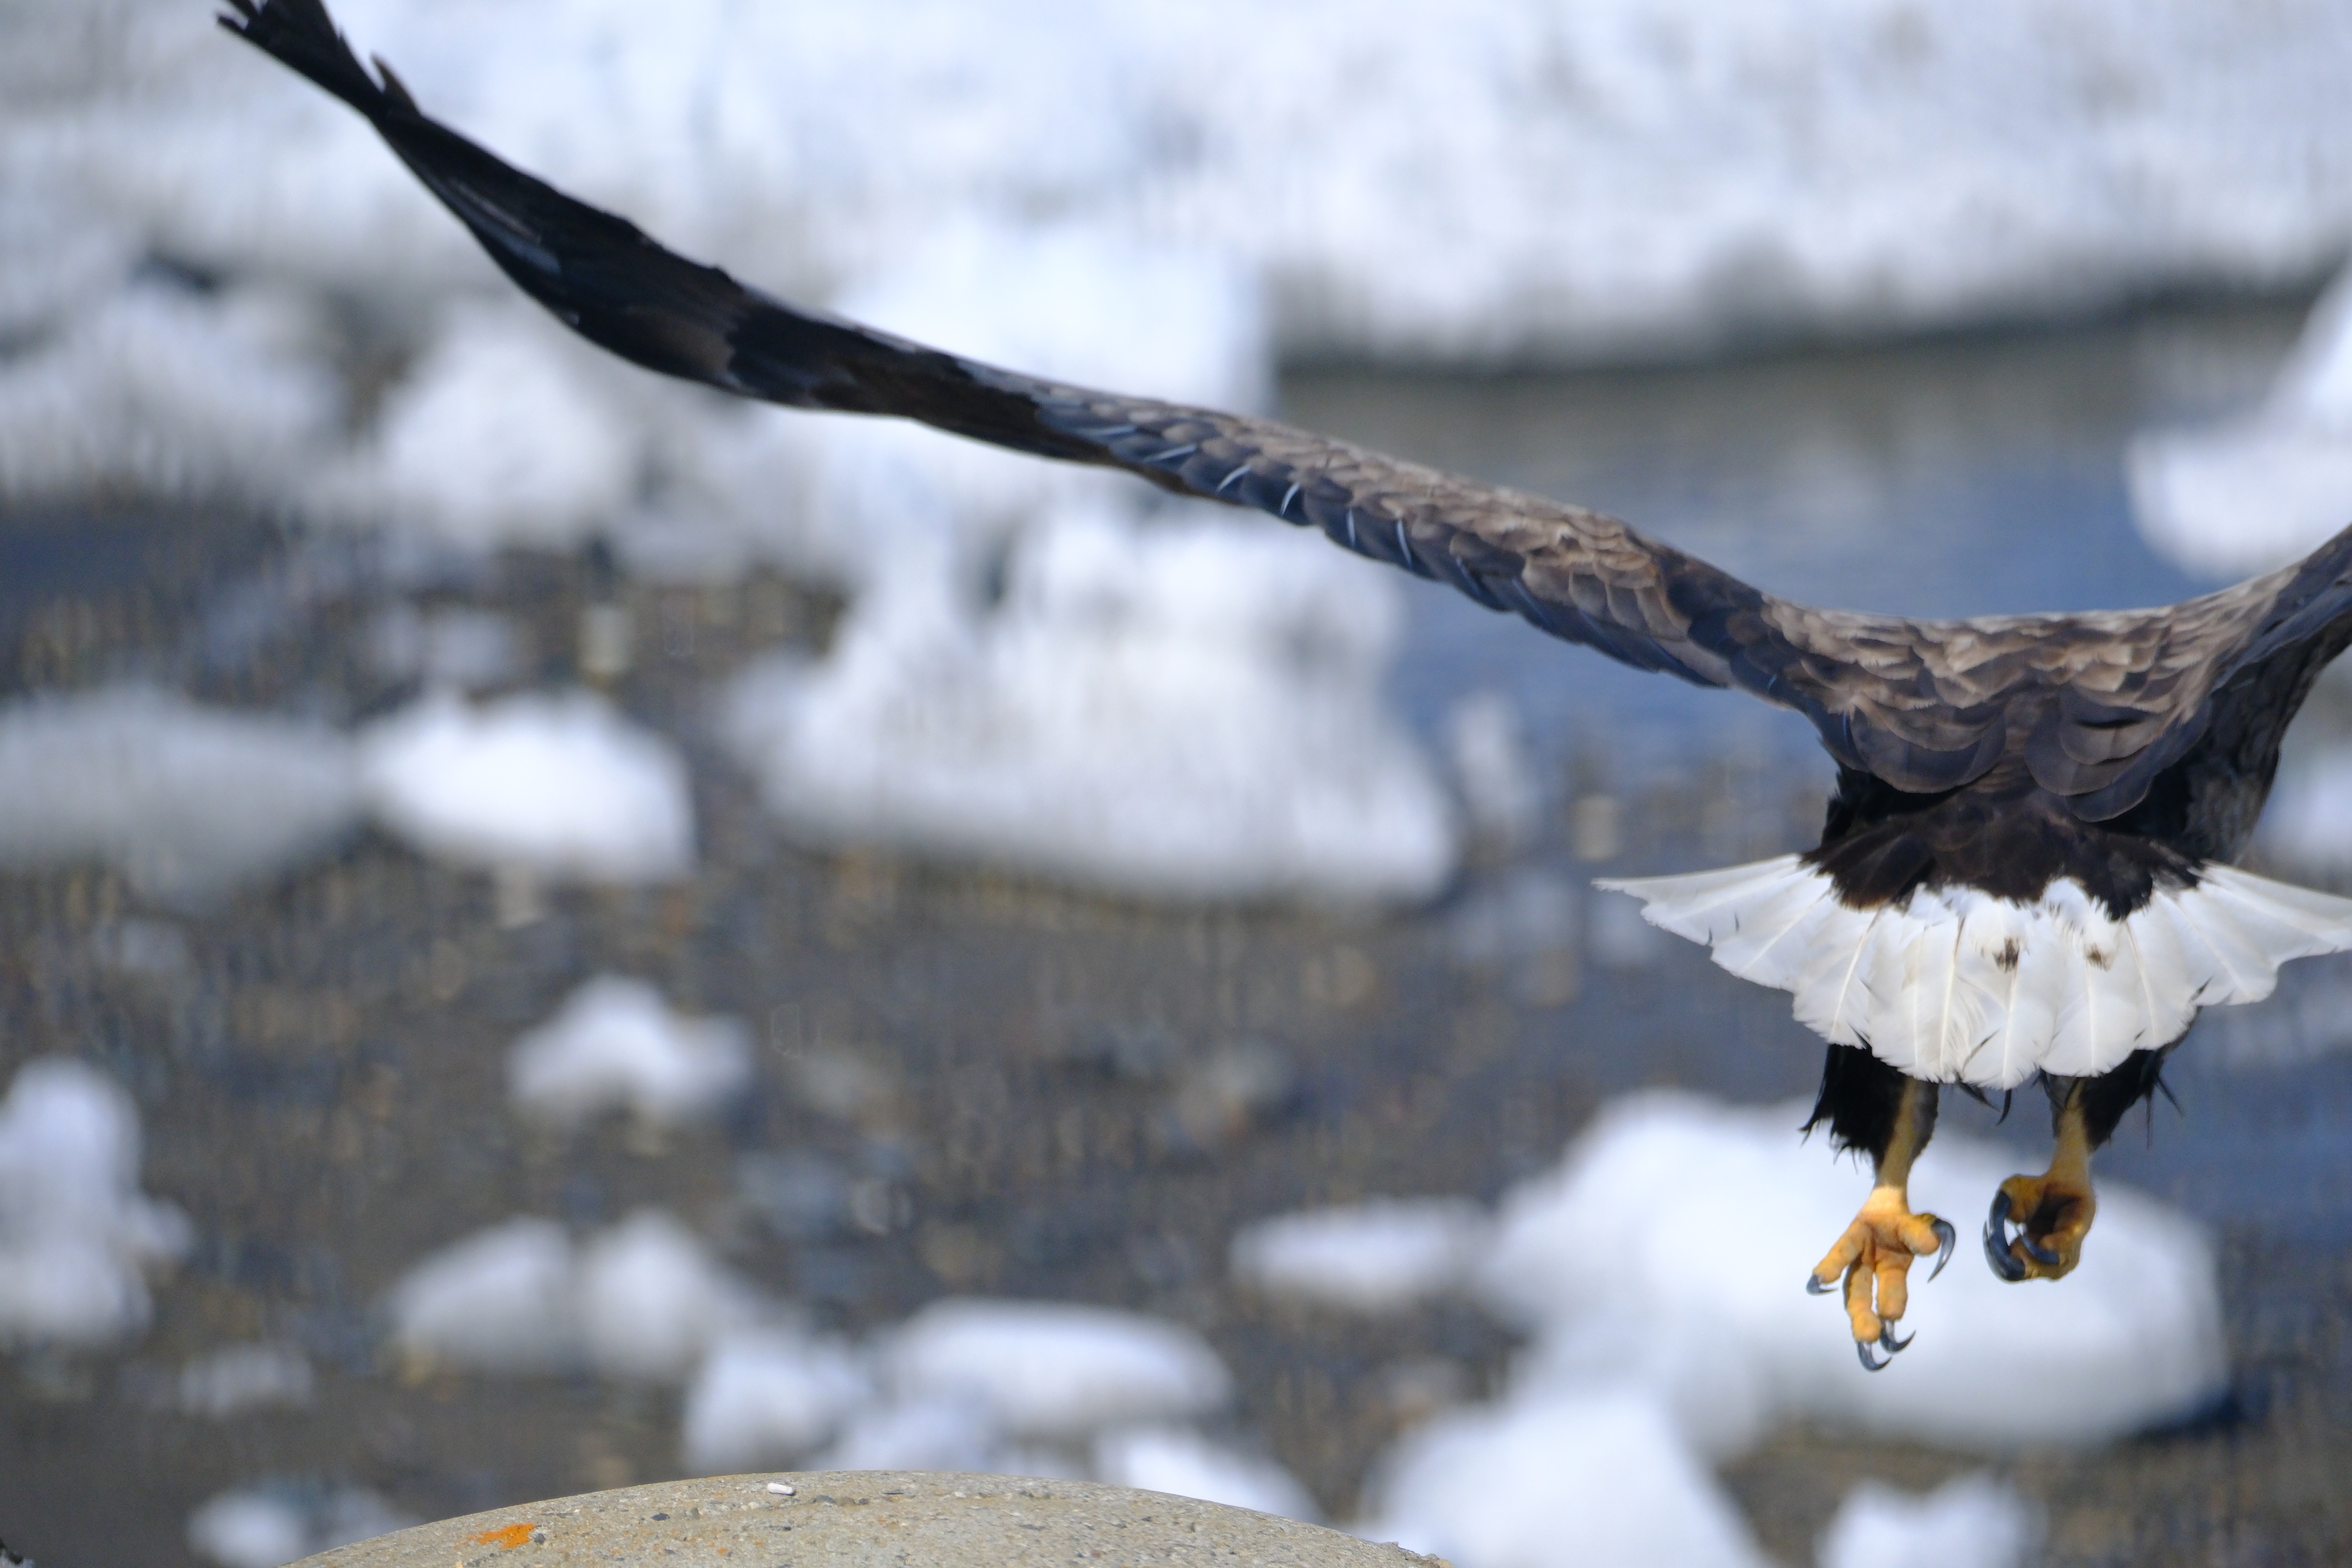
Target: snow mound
{"points": [[185, 801], [1057, 302], [614, 1045], [239, 1379], [161, 391], [1048, 1369], [957, 1433], [497, 435], [1179, 1460], [766, 1397], [2308, 821], [642, 1301], [652, 1300], [264, 1525], [559, 784], [77, 1238], [1190, 711], [1597, 1479], [1503, 798], [1380, 1256], [502, 1301], [1492, 180], [2266, 489], [1970, 1521], [1595, 1258]]}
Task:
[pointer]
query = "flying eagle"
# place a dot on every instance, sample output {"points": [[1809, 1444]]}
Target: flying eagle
{"points": [[2025, 872]]}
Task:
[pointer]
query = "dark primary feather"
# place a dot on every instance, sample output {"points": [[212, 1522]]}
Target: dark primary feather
{"points": [[2094, 708]]}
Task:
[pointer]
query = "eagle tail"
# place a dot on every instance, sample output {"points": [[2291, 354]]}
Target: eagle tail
{"points": [[1954, 985]]}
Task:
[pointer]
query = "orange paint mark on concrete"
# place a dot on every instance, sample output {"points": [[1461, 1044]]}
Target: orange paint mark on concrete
{"points": [[508, 1539]]}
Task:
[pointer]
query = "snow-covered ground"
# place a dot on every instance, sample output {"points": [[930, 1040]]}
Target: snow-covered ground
{"points": [[78, 1239], [2273, 484]]}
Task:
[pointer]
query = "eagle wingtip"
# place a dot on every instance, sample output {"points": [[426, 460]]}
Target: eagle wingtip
{"points": [[301, 35]]}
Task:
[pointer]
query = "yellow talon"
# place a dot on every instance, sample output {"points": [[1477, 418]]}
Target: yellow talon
{"points": [[2053, 1212]]}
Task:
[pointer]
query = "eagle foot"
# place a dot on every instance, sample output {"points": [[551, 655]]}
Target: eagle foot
{"points": [[2052, 1214], [1875, 1257]]}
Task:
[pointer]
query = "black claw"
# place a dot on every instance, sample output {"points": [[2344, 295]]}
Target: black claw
{"points": [[2034, 1249], [1814, 1286], [1889, 1343], [1996, 1241], [1951, 1239], [1862, 1352]]}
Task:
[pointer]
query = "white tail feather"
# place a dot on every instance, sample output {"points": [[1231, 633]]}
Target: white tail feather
{"points": [[1955, 985]]}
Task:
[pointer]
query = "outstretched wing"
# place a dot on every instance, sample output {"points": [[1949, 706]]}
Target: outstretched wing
{"points": [[1926, 706]]}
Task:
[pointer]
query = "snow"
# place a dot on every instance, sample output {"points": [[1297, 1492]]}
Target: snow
{"points": [[2270, 486], [1011, 1387], [1601, 1479], [158, 390], [641, 1301], [766, 1397], [1498, 180], [186, 801], [1051, 1370], [497, 435], [78, 1239], [557, 783], [954, 1433], [1038, 674], [1058, 301], [2308, 822], [272, 1523], [1383, 1255], [1501, 795], [239, 1379], [500, 1301], [1969, 1522], [614, 1046], [652, 1299], [1596, 1258], [1118, 197], [1178, 1459], [1190, 711]]}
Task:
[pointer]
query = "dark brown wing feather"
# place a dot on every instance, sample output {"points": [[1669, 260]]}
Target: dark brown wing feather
{"points": [[2099, 703]]}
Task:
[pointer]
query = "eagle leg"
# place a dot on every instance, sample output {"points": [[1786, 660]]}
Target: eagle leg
{"points": [[2051, 1211], [1876, 1254]]}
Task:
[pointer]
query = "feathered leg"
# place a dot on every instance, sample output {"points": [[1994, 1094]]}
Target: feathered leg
{"points": [[1872, 1107], [2053, 1212]]}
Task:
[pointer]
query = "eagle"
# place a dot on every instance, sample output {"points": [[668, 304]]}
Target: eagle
{"points": [[2026, 870]]}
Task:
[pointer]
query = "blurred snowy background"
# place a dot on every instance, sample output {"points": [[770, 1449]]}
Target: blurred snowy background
{"points": [[639, 935]]}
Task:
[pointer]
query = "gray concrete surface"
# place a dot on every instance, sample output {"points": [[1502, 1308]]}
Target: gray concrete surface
{"points": [[902, 1517]]}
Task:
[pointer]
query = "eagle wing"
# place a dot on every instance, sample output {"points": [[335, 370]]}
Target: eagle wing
{"points": [[2099, 703]]}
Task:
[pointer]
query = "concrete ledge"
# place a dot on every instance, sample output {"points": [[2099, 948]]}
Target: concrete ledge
{"points": [[855, 1517]]}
